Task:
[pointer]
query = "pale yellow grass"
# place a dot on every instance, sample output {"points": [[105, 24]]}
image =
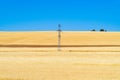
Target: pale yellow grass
{"points": [[60, 66], [69, 38], [63, 49], [83, 63]]}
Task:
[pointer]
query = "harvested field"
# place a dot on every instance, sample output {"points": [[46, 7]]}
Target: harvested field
{"points": [[84, 56], [68, 38], [59, 65]]}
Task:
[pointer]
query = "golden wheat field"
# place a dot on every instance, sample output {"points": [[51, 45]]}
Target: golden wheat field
{"points": [[68, 38], [71, 63]]}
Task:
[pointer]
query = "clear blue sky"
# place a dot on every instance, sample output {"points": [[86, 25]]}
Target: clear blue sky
{"points": [[28, 15]]}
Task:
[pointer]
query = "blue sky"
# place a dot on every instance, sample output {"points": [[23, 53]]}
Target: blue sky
{"points": [[37, 15]]}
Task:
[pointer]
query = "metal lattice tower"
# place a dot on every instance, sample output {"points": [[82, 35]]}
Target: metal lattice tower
{"points": [[59, 37]]}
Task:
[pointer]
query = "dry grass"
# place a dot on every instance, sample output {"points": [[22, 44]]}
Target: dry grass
{"points": [[68, 38], [84, 63], [63, 49], [60, 65]]}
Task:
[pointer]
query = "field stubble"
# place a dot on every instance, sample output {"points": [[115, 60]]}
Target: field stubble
{"points": [[84, 63], [28, 64]]}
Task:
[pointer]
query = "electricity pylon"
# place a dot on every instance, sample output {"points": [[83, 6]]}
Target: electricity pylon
{"points": [[59, 37]]}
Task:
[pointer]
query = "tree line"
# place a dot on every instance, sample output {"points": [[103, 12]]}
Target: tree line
{"points": [[101, 30]]}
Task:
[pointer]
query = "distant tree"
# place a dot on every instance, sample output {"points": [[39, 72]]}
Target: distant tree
{"points": [[93, 30], [102, 30]]}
